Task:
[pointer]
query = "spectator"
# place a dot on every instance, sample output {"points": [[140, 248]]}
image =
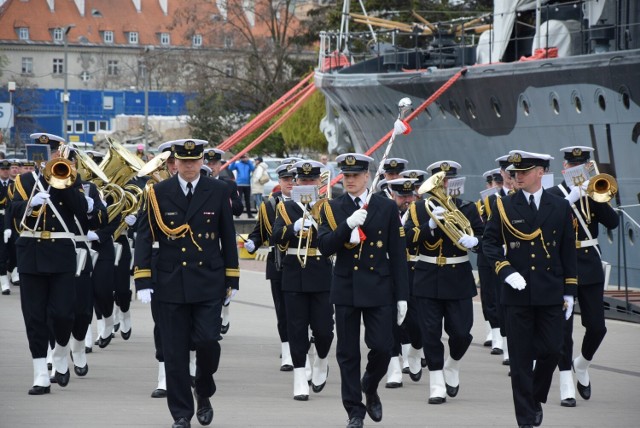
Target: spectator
{"points": [[243, 168], [225, 173], [140, 151], [324, 159], [259, 178]]}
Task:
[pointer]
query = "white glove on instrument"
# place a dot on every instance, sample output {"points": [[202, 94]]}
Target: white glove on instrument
{"points": [[297, 226], [568, 302], [468, 241], [144, 295], [92, 236], [402, 311], [231, 292], [89, 204], [39, 199], [357, 218], [400, 127], [250, 246], [516, 281], [7, 235], [130, 220], [437, 213], [574, 195]]}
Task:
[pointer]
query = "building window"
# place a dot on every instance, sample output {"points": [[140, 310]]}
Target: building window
{"points": [[165, 39], [108, 37], [78, 127], [23, 33], [69, 126], [197, 40], [107, 104], [58, 35], [92, 126], [229, 70], [133, 38], [85, 76], [103, 125], [228, 42], [112, 68], [58, 66], [27, 65]]}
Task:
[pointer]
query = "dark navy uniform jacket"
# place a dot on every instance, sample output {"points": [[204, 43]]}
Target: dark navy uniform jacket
{"points": [[197, 255], [373, 272], [589, 262], [264, 228], [449, 281], [236, 203], [40, 255], [540, 246], [316, 275]]}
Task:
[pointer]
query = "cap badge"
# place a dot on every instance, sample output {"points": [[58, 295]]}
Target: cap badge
{"points": [[407, 185], [306, 168], [576, 152], [189, 145], [350, 160], [413, 174], [44, 139], [515, 158], [445, 166], [393, 163]]}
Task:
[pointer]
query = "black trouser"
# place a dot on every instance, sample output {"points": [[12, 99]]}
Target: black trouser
{"points": [[281, 308], [42, 296], [122, 277], [157, 337], [590, 297], [246, 191], [378, 338], [84, 302], [458, 320], [411, 325], [535, 333], [183, 325], [306, 310], [488, 297], [103, 287], [500, 308]]}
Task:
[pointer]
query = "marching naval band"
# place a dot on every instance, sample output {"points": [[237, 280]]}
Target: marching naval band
{"points": [[393, 258]]}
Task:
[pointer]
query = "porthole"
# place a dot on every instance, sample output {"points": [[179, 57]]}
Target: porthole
{"points": [[631, 234], [495, 106], [555, 104], [601, 100], [625, 97], [524, 103], [470, 107], [577, 102], [454, 109]]}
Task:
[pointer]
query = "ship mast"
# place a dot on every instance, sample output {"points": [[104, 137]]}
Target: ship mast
{"points": [[344, 26]]}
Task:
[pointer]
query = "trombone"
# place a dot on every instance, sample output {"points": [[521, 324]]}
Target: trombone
{"points": [[305, 200], [601, 188]]}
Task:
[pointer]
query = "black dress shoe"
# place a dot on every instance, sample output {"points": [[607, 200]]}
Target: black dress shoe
{"points": [[355, 422], [286, 368], [88, 349], [452, 391], [181, 423], [126, 335], [301, 397], [6, 292], [62, 379], [318, 388], [437, 400], [525, 426], [103, 343], [39, 390], [487, 343], [423, 362], [116, 327], [225, 328], [373, 406], [497, 351], [81, 371], [538, 418], [205, 411], [159, 393], [393, 385], [568, 402], [415, 377], [506, 362], [405, 370], [584, 391]]}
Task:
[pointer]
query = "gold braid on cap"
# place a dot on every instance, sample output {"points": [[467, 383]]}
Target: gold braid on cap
{"points": [[515, 232], [177, 233]]}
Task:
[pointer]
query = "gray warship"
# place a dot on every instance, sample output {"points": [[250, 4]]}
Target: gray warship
{"points": [[571, 77]]}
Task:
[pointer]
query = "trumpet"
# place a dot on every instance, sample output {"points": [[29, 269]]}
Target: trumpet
{"points": [[601, 188], [454, 224], [305, 200]]}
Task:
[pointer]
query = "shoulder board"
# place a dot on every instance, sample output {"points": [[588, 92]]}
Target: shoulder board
{"points": [[20, 189]]}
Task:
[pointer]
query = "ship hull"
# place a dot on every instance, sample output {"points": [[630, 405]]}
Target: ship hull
{"points": [[539, 106]]}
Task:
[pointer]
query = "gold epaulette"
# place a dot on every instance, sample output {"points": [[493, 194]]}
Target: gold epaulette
{"points": [[20, 189], [283, 213], [328, 213], [487, 207], [515, 232], [141, 273], [176, 233], [263, 218]]}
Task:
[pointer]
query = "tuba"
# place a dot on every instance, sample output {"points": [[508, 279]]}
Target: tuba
{"points": [[88, 169], [454, 224]]}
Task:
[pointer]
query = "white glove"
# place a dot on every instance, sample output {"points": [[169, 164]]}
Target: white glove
{"points": [[516, 281], [92, 236], [400, 127], [568, 302], [231, 292], [437, 213], [574, 195], [89, 203], [355, 237], [357, 218], [39, 199], [402, 311], [144, 295], [130, 220], [468, 241], [250, 246], [7, 235], [297, 226]]}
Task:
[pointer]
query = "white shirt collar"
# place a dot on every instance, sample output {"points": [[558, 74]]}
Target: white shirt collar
{"points": [[183, 184], [536, 196], [363, 197]]}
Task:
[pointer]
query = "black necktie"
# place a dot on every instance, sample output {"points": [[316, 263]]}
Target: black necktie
{"points": [[357, 202], [189, 192], [532, 204]]}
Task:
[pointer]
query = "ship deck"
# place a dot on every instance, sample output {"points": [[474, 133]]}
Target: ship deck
{"points": [[253, 392]]}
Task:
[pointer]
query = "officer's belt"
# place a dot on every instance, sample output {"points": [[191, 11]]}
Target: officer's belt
{"points": [[587, 243], [413, 258], [312, 252], [441, 261], [80, 238], [45, 234]]}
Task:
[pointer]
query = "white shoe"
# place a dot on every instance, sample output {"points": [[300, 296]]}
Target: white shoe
{"points": [[125, 324], [59, 359], [581, 366], [15, 276], [107, 330], [40, 372], [496, 342], [405, 357], [192, 363], [225, 319], [308, 368], [320, 374], [567, 390], [452, 376], [88, 338], [505, 351], [78, 354], [487, 340], [300, 385], [100, 327], [162, 377], [394, 373], [437, 389], [4, 284], [286, 363], [415, 363]]}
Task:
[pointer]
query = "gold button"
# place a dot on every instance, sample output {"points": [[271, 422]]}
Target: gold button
{"points": [[60, 203], [317, 258], [199, 235], [355, 268], [370, 256], [453, 266], [413, 268], [53, 228], [184, 263], [208, 221], [586, 251], [533, 243], [355, 256], [184, 249], [533, 256], [379, 232], [199, 263], [53, 240], [171, 222], [548, 256], [38, 240], [548, 268], [39, 228], [554, 232], [371, 268], [533, 268], [53, 216], [371, 244]]}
